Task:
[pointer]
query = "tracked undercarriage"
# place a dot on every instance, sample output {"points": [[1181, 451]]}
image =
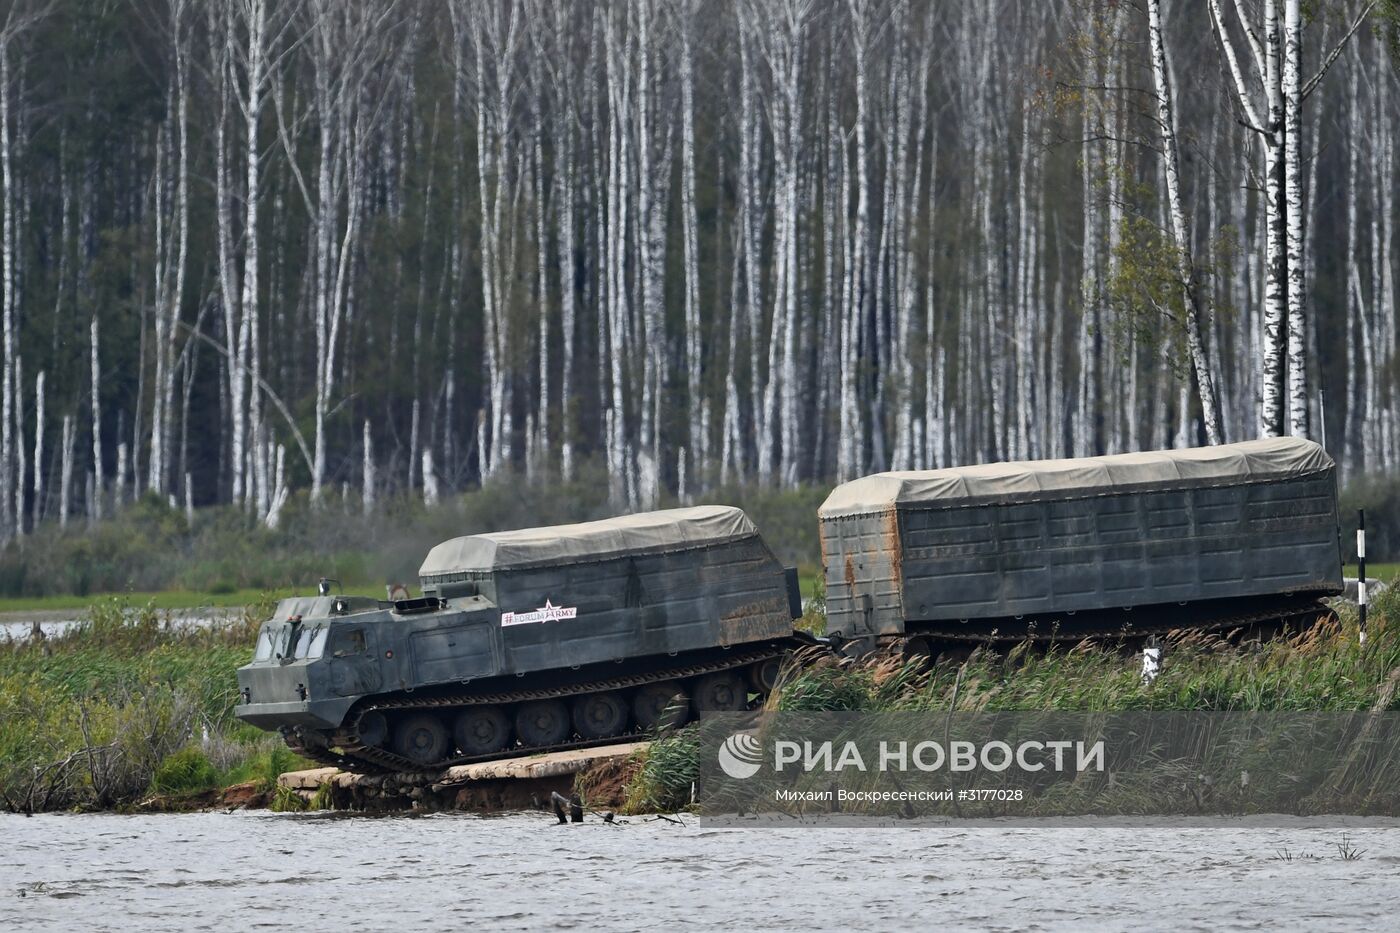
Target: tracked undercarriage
{"points": [[400, 732]]}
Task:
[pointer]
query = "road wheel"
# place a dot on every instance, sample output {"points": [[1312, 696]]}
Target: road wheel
{"points": [[763, 675], [600, 715], [481, 730], [664, 705], [542, 722], [373, 728], [721, 692], [421, 738], [918, 651]]}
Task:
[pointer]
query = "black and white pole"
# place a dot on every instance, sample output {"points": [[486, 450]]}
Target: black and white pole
{"points": [[1361, 571], [1151, 661]]}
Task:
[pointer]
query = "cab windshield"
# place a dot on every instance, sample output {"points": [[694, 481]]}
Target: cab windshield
{"points": [[264, 649], [311, 643]]}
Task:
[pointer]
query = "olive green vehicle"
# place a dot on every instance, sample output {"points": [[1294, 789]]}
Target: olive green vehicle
{"points": [[544, 638], [1129, 545]]}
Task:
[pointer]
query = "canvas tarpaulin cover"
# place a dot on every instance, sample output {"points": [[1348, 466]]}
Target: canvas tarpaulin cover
{"points": [[1031, 480], [667, 530]]}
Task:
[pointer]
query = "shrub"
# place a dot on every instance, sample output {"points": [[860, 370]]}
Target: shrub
{"points": [[149, 546], [265, 758], [667, 774], [188, 771]]}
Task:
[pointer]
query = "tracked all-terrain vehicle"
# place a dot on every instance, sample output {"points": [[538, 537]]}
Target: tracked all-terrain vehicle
{"points": [[531, 640], [1132, 545]]}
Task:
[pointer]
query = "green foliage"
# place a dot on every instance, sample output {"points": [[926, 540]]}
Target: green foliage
{"points": [[1386, 17], [667, 774], [1145, 290], [322, 799], [104, 714], [813, 619], [286, 800], [1322, 669], [265, 757], [827, 688], [1144, 287], [188, 771]]}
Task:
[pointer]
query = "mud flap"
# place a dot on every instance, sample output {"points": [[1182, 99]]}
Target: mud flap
{"points": [[794, 592]]}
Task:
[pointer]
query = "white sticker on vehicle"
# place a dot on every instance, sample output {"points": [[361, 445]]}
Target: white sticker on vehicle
{"points": [[546, 613]]}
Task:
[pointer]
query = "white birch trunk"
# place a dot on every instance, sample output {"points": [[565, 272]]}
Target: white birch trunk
{"points": [[430, 479], [1354, 461], [694, 347], [1191, 295], [859, 296], [9, 256], [1298, 401], [65, 481], [95, 397], [367, 479], [21, 453], [278, 499], [38, 498]]}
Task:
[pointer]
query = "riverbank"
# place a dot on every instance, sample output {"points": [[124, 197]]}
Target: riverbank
{"points": [[130, 710], [592, 779], [130, 706]]}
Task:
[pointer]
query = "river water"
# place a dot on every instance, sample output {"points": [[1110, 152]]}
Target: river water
{"points": [[16, 629], [249, 870]]}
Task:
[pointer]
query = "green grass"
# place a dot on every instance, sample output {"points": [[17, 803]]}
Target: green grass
{"points": [[1382, 571], [125, 706], [1323, 669]]}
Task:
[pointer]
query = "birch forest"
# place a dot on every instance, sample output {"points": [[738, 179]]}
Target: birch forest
{"points": [[362, 249]]}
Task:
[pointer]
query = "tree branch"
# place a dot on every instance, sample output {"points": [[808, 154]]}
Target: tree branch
{"points": [[1240, 90], [262, 384], [1316, 79]]}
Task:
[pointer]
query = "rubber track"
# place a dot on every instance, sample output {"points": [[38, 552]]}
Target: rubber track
{"points": [[366, 759]]}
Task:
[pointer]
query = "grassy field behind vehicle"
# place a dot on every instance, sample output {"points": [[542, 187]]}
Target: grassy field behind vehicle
{"points": [[1381, 571]]}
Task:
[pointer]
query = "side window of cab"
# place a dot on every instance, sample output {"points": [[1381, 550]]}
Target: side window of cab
{"points": [[348, 643]]}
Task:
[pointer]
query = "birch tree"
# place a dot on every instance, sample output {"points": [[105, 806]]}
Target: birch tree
{"points": [[347, 45], [171, 246], [1192, 295], [1284, 396]]}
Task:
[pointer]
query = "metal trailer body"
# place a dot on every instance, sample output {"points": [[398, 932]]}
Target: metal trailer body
{"points": [[518, 615], [1092, 545]]}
